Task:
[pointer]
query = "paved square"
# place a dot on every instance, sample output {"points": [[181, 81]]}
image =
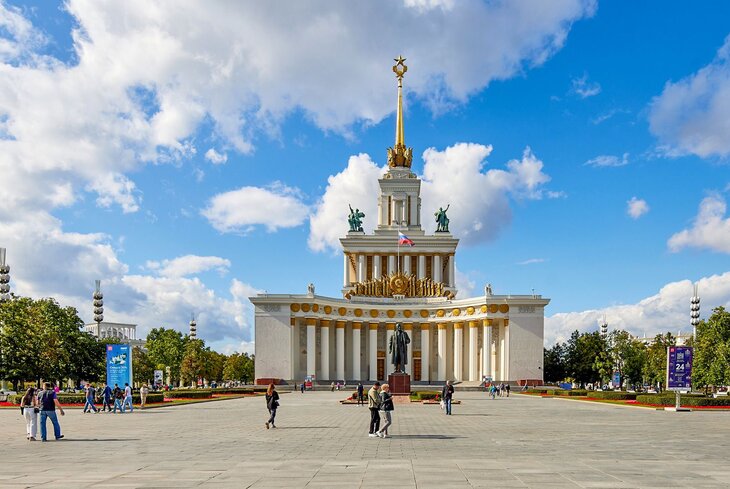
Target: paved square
{"points": [[517, 442]]}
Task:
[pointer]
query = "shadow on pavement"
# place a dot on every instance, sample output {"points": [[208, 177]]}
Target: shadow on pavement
{"points": [[70, 440], [426, 437]]}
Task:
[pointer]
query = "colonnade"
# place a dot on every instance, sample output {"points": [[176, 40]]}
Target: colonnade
{"points": [[358, 270], [463, 350]]}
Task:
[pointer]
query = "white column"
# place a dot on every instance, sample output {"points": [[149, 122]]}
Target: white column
{"points": [[361, 268], [473, 346], [487, 347], [436, 271], [294, 341], [324, 349], [373, 352], [389, 332], [408, 328], [406, 264], [340, 349], [452, 271], [441, 354], [311, 346], [506, 350], [413, 221], [356, 350], [502, 353], [391, 264], [458, 351], [493, 353], [377, 272], [425, 352], [346, 277], [421, 266]]}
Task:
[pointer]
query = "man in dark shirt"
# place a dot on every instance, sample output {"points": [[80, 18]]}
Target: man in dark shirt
{"points": [[49, 403], [106, 396], [360, 399], [90, 397], [446, 394]]}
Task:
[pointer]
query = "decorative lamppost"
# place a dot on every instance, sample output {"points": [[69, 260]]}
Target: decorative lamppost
{"points": [[604, 327], [98, 307], [694, 311], [4, 277], [193, 327]]}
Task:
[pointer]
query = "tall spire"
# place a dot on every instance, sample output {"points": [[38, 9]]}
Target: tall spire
{"points": [[399, 154]]}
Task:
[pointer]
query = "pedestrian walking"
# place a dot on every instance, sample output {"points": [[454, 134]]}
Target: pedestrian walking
{"points": [[89, 406], [48, 401], [302, 387], [29, 406], [493, 391], [272, 403], [507, 389], [143, 391], [106, 399], [127, 398], [374, 405], [386, 405], [447, 393], [332, 387], [360, 397], [118, 398]]}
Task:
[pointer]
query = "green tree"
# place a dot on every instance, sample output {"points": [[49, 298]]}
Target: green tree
{"points": [[166, 348], [195, 362], [554, 363], [581, 352], [711, 364], [655, 367], [216, 363], [634, 360], [143, 369]]}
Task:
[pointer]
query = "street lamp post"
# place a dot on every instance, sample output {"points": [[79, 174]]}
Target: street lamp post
{"points": [[98, 307], [694, 311], [4, 277]]}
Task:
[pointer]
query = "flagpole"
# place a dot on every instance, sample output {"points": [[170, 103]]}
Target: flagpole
{"points": [[397, 266]]}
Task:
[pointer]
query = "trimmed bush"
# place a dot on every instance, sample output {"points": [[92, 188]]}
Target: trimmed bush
{"points": [[686, 400], [151, 398], [571, 393], [189, 394], [613, 395], [234, 390], [81, 398], [425, 395]]}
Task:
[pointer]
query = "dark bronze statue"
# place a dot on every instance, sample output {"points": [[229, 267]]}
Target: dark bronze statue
{"points": [[398, 348]]}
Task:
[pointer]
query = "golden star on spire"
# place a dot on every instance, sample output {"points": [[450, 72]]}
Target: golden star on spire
{"points": [[400, 67]]}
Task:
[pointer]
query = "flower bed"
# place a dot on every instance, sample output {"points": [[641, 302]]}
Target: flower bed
{"points": [[686, 400], [189, 394]]}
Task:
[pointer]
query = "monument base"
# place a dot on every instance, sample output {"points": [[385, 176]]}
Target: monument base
{"points": [[400, 384]]}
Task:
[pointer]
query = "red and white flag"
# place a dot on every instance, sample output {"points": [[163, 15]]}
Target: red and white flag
{"points": [[404, 240]]}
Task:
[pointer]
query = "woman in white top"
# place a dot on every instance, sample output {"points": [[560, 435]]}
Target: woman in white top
{"points": [[143, 395], [29, 405]]}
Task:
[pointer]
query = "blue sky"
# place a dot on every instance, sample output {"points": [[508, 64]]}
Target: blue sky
{"points": [[116, 120]]}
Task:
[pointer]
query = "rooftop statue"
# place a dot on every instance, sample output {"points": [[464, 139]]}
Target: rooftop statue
{"points": [[442, 222], [355, 219]]}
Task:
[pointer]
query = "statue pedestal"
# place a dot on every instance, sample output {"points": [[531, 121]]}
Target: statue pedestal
{"points": [[400, 384]]}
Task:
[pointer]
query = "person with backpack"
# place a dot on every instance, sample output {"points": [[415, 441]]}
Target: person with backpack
{"points": [[48, 401], [118, 398], [386, 405], [374, 406], [272, 403], [29, 407]]}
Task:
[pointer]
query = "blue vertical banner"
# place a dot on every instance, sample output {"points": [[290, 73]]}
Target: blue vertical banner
{"points": [[118, 365], [679, 368]]}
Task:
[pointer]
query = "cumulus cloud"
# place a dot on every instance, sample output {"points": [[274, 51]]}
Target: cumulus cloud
{"points": [[668, 310], [177, 66], [710, 229], [478, 200], [636, 207], [608, 160], [585, 88], [183, 266], [690, 116], [274, 207], [356, 185], [215, 157], [465, 285]]}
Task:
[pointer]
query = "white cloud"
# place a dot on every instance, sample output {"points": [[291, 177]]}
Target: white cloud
{"points": [[690, 116], [608, 160], [636, 207], [668, 310], [608, 115], [478, 200], [356, 185], [274, 207], [710, 228], [584, 88], [532, 261], [215, 157], [465, 285], [66, 123], [183, 266]]}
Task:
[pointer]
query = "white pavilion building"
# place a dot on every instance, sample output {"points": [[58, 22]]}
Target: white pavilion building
{"points": [[345, 339]]}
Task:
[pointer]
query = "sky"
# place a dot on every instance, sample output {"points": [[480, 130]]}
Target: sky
{"points": [[191, 155]]}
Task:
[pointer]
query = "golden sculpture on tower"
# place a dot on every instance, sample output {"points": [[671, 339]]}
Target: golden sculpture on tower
{"points": [[399, 155]]}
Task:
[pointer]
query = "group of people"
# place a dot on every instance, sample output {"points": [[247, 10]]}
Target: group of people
{"points": [[380, 400], [337, 386], [45, 403], [497, 390], [113, 398]]}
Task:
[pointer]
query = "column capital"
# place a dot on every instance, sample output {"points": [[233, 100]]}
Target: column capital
{"points": [[473, 324], [356, 324], [442, 325], [374, 326], [459, 325], [425, 326], [506, 322], [390, 326], [487, 322], [325, 322], [311, 321], [340, 324], [293, 321], [408, 326]]}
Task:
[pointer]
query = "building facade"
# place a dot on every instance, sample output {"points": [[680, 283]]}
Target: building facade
{"points": [[387, 281]]}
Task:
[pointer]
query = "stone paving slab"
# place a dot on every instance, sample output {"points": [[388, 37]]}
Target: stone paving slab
{"points": [[519, 441]]}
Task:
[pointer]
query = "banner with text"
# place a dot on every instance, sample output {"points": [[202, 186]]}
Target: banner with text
{"points": [[679, 368], [118, 365]]}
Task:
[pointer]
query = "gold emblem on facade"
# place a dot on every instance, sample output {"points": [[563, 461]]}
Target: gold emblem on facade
{"points": [[400, 284]]}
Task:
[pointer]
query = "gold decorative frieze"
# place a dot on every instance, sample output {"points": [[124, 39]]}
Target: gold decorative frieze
{"points": [[399, 284], [327, 309], [341, 311], [295, 307], [407, 313]]}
